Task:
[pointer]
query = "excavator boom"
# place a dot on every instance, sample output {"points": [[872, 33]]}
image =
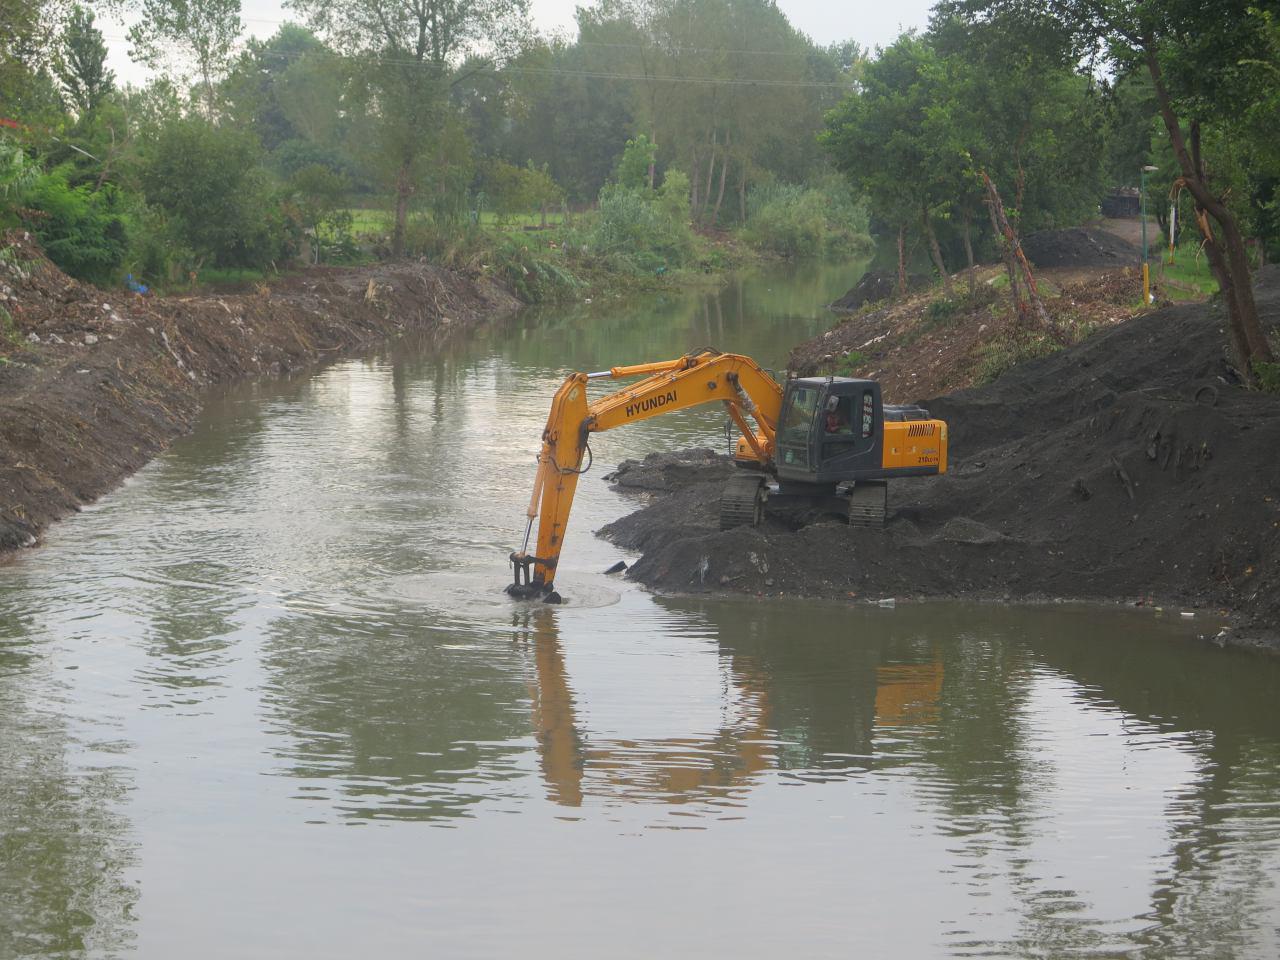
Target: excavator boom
{"points": [[824, 444], [696, 378]]}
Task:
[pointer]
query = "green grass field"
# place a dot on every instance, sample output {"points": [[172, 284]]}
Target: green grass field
{"points": [[1185, 278], [380, 221]]}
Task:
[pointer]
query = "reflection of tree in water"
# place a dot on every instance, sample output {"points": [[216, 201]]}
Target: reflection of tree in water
{"points": [[188, 613], [405, 719], [62, 848], [763, 314], [1221, 886]]}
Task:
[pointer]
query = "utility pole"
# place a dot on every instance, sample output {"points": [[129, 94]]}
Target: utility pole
{"points": [[1142, 204]]}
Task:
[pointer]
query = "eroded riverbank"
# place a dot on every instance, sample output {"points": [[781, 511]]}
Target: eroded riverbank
{"points": [[95, 383]]}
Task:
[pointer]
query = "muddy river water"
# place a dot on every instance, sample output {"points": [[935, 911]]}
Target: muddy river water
{"points": [[267, 700]]}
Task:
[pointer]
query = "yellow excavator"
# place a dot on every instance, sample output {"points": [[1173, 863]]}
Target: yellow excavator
{"points": [[825, 444]]}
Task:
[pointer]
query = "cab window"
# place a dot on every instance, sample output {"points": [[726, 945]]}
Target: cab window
{"points": [[799, 416]]}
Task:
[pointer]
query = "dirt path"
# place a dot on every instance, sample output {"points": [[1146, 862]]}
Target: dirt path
{"points": [[94, 384]]}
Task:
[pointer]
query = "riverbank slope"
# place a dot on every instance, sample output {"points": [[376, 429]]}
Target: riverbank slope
{"points": [[1129, 467], [95, 383]]}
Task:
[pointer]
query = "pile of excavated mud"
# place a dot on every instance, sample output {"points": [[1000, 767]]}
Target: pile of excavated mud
{"points": [[875, 286], [1078, 247], [915, 353], [1130, 467], [93, 383]]}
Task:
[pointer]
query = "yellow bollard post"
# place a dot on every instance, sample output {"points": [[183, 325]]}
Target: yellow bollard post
{"points": [[1146, 283]]}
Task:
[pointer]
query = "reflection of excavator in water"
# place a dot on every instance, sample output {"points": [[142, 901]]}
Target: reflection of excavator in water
{"points": [[809, 728], [825, 443]]}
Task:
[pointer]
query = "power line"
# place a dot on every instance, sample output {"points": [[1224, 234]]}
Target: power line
{"points": [[557, 71]]}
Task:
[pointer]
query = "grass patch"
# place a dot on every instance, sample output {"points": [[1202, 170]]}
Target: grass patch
{"points": [[999, 356], [941, 310], [9, 335], [850, 362], [226, 276], [1268, 375], [381, 223], [1187, 278]]}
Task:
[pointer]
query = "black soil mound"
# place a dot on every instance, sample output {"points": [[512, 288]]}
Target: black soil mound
{"points": [[876, 286], [1078, 247], [1130, 467]]}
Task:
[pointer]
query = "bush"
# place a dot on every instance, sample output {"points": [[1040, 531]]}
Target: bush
{"points": [[210, 186], [1268, 376], [1001, 355], [534, 276], [649, 229], [941, 310], [82, 231], [797, 221]]}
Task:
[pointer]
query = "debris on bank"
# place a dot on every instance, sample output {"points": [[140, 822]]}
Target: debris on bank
{"points": [[94, 383], [1130, 467]]}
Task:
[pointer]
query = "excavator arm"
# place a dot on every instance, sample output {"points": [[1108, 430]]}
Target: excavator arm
{"points": [[748, 392]]}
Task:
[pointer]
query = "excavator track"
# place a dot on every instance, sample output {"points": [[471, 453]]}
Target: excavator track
{"points": [[742, 502], [868, 504]]}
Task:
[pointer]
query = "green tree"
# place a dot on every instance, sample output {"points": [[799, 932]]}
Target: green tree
{"points": [[1208, 66], [886, 140], [321, 197], [82, 230], [82, 64], [635, 166], [202, 31], [410, 48], [209, 184], [254, 89]]}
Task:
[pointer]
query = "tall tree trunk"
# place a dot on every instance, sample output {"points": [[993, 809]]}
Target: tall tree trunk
{"points": [[696, 170], [902, 259], [742, 195], [404, 189], [1228, 259], [1010, 268], [711, 170], [1020, 258], [724, 170], [968, 250], [653, 167], [936, 252]]}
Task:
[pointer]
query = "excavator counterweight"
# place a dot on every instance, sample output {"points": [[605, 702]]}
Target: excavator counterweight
{"points": [[824, 443]]}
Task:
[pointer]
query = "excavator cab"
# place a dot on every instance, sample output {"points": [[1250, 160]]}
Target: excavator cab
{"points": [[837, 445], [830, 431]]}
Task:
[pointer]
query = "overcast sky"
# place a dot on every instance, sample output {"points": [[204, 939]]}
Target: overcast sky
{"points": [[870, 22]]}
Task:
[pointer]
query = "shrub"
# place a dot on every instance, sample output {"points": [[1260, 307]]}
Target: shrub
{"points": [[83, 231], [942, 310], [1001, 355], [534, 277], [850, 362], [650, 229], [1268, 376], [797, 221], [209, 184]]}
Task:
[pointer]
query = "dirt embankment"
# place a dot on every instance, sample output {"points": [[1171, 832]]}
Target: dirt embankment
{"points": [[924, 344], [1129, 467], [93, 384]]}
